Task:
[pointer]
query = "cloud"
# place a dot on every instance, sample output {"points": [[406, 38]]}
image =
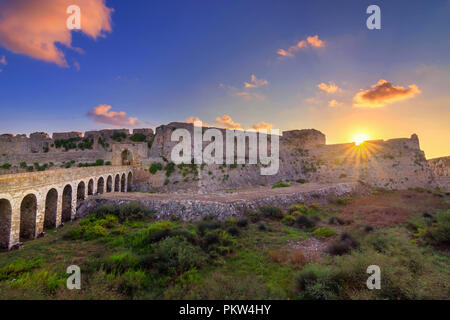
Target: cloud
{"points": [[228, 123], [33, 28], [334, 103], [329, 88], [250, 95], [3, 61], [262, 125], [313, 42], [383, 93], [102, 114], [255, 82], [193, 119]]}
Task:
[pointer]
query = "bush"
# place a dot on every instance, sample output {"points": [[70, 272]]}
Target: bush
{"points": [[298, 207], [170, 168], [439, 232], [301, 181], [6, 166], [343, 246], [253, 215], [341, 201], [94, 232], [262, 227], [324, 232], [304, 222], [133, 211], [288, 220], [233, 231], [132, 281], [280, 184], [138, 137], [242, 223], [231, 221], [317, 283], [154, 167], [271, 212]]}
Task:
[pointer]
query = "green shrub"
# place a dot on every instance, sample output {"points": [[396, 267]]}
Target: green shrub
{"points": [[304, 222], [108, 163], [301, 180], [439, 232], [23, 165], [95, 231], [253, 215], [316, 282], [138, 137], [280, 184], [132, 281], [118, 136], [271, 212], [299, 208], [341, 201], [343, 246], [170, 168], [19, 266], [121, 262], [6, 166], [242, 223], [288, 220], [154, 167], [231, 221], [233, 231], [324, 232]]}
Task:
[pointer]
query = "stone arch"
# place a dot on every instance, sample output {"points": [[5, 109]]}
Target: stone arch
{"points": [[51, 209], [109, 184], [81, 192], [100, 185], [127, 157], [28, 211], [91, 187], [122, 183], [5, 223], [67, 203], [129, 181], [117, 183]]}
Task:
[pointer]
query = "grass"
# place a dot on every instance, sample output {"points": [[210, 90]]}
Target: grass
{"points": [[124, 253]]}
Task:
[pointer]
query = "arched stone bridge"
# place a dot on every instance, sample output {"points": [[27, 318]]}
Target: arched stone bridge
{"points": [[35, 201]]}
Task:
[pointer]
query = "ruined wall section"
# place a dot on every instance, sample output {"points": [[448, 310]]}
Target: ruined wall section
{"points": [[441, 170]]}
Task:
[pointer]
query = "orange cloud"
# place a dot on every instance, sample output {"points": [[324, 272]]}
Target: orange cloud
{"points": [[262, 125], [383, 93], [193, 119], [33, 27], [250, 95], [255, 82], [228, 123], [328, 88], [102, 114], [334, 103], [3, 61], [313, 42]]}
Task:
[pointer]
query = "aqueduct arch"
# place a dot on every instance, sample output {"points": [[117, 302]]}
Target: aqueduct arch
{"points": [[101, 185], [81, 191], [67, 203], [122, 183], [91, 187], [51, 209], [28, 211], [5, 222], [109, 184], [117, 183], [129, 181]]}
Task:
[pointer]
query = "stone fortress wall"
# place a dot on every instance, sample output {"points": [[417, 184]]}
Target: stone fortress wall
{"points": [[304, 156]]}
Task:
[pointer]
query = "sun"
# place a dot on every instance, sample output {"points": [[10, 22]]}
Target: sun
{"points": [[360, 138]]}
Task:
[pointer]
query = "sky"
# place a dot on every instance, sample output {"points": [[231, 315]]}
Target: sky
{"points": [[234, 64]]}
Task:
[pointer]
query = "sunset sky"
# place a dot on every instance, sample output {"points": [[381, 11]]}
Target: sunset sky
{"points": [[236, 64]]}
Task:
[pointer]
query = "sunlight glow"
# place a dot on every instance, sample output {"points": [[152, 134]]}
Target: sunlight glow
{"points": [[360, 138]]}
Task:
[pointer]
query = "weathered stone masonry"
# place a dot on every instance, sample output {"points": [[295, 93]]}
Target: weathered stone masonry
{"points": [[32, 202]]}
